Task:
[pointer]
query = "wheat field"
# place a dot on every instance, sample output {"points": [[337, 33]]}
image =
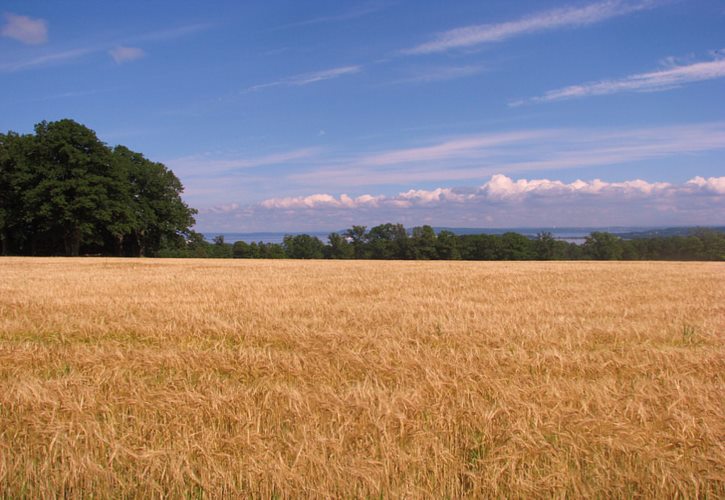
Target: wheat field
{"points": [[151, 378]]}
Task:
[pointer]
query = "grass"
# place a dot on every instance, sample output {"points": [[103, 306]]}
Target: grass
{"points": [[201, 378]]}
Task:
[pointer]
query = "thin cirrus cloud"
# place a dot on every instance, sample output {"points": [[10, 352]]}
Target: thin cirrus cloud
{"points": [[47, 59], [473, 157], [501, 201], [308, 78], [207, 165], [25, 29], [355, 13], [463, 147], [440, 74], [655, 81], [118, 51], [569, 17], [126, 54]]}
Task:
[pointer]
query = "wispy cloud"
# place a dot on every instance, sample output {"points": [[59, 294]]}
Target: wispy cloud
{"points": [[474, 157], [308, 78], [25, 29], [206, 165], [464, 147], [501, 201], [126, 54], [355, 13], [118, 50], [72, 94], [569, 17], [440, 74], [170, 33], [655, 81], [47, 59]]}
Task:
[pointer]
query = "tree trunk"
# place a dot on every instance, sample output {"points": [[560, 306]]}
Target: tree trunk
{"points": [[4, 243], [119, 245], [139, 243], [72, 242]]}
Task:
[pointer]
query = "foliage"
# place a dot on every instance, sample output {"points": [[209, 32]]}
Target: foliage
{"points": [[393, 242], [603, 246], [63, 191], [338, 247], [303, 246]]}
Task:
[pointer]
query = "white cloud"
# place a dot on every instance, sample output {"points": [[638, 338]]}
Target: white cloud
{"points": [[669, 78], [25, 29], [502, 187], [501, 201], [308, 78], [321, 200], [126, 54], [712, 184], [421, 196], [568, 17], [224, 208]]}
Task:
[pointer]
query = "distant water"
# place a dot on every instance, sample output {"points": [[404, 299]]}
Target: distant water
{"points": [[263, 237], [570, 234]]}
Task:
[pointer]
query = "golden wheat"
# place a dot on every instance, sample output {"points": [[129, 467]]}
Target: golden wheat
{"points": [[145, 378]]}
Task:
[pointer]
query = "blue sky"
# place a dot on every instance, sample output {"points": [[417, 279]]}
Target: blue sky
{"points": [[315, 115]]}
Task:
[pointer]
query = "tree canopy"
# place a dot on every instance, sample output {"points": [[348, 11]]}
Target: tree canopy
{"points": [[393, 241], [63, 191]]}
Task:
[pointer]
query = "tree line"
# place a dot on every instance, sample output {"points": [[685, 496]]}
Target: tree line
{"points": [[394, 241], [64, 192]]}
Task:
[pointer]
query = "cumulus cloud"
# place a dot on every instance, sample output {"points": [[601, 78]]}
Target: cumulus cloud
{"points": [[423, 197], [25, 29], [669, 78], [126, 54], [321, 201], [501, 187], [501, 201], [568, 17], [225, 208], [714, 185]]}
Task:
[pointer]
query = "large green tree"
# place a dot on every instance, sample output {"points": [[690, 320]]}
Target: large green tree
{"points": [[63, 190], [69, 194], [338, 247], [13, 170], [303, 246], [155, 211], [601, 245]]}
